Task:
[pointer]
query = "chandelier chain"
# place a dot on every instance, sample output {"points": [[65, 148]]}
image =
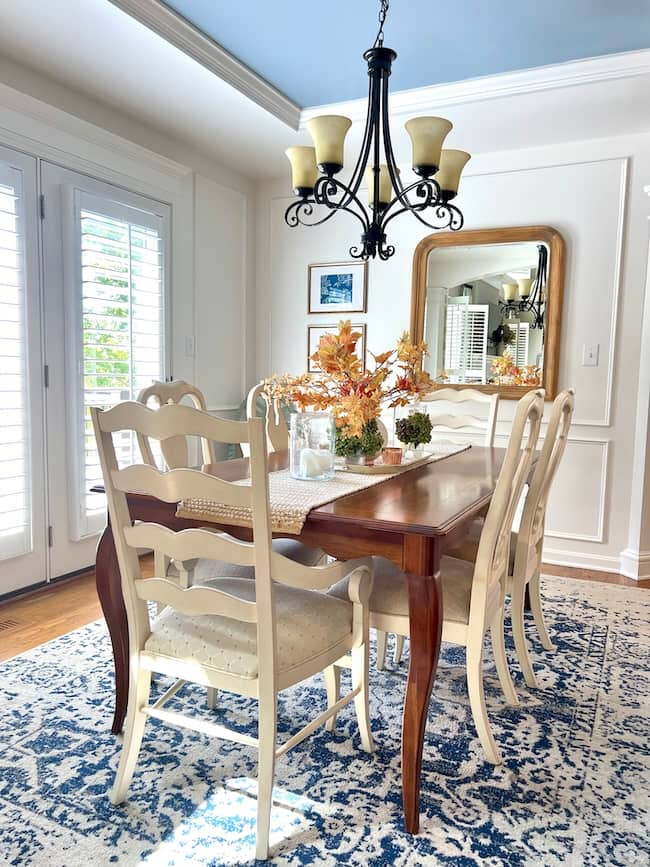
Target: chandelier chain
{"points": [[383, 11]]}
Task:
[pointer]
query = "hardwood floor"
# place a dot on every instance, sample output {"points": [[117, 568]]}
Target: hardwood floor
{"points": [[29, 620]]}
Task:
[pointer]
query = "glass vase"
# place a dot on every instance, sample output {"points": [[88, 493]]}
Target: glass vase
{"points": [[311, 446]]}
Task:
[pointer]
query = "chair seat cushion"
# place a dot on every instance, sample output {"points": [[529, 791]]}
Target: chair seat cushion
{"points": [[203, 571], [389, 594], [308, 623]]}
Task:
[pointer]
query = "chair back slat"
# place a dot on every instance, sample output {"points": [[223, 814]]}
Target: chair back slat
{"points": [[494, 546], [190, 544], [173, 486], [195, 601], [531, 526], [458, 421], [175, 451], [169, 421], [455, 422]]}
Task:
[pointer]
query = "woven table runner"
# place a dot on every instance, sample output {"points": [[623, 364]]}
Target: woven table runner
{"points": [[293, 499]]}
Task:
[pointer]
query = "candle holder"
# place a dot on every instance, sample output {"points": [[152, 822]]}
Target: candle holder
{"points": [[311, 446]]}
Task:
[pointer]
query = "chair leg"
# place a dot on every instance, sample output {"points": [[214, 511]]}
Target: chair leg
{"points": [[381, 649], [135, 722], [265, 773], [360, 665], [519, 635], [536, 607], [332, 675], [497, 630], [477, 701], [399, 647], [212, 697]]}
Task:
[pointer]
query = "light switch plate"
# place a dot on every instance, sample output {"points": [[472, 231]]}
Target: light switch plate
{"points": [[590, 353]]}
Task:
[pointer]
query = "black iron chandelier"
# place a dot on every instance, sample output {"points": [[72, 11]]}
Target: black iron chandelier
{"points": [[532, 293], [438, 170]]}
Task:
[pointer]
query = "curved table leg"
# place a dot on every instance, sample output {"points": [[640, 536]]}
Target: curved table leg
{"points": [[422, 568], [109, 590]]}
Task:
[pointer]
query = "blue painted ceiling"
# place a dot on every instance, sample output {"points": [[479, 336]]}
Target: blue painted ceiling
{"points": [[312, 51]]}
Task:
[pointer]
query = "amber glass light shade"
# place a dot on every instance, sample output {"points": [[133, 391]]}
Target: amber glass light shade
{"points": [[524, 285], [303, 167], [509, 291], [385, 184], [452, 164], [427, 135], [328, 133]]}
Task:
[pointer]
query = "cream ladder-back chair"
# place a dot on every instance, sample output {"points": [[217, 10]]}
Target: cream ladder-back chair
{"points": [[459, 423], [526, 544], [176, 455], [454, 424], [473, 595], [252, 638], [277, 433]]}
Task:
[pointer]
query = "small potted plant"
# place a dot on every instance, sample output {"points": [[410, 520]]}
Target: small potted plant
{"points": [[414, 431], [503, 336]]}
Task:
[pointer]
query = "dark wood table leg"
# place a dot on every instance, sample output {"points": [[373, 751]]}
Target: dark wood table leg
{"points": [[422, 568], [107, 576]]}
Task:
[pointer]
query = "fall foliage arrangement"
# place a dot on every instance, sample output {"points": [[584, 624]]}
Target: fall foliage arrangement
{"points": [[343, 385]]}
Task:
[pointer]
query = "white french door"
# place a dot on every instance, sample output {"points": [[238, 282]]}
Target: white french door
{"points": [[23, 516], [105, 291]]}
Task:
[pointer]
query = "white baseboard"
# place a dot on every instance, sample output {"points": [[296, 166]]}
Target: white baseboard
{"points": [[635, 564], [596, 562]]}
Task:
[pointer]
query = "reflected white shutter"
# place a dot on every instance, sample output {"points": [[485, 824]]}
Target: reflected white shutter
{"points": [[520, 351], [15, 469], [466, 342], [119, 322]]}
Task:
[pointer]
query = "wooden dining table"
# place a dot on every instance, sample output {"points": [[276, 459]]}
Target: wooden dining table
{"points": [[410, 519]]}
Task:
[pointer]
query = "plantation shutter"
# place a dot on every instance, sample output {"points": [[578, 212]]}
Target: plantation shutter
{"points": [[466, 342], [15, 464], [120, 307], [522, 331]]}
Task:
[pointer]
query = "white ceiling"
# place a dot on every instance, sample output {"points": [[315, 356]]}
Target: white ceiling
{"points": [[98, 50]]}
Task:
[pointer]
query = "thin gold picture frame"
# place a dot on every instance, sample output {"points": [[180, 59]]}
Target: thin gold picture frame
{"points": [[338, 308]]}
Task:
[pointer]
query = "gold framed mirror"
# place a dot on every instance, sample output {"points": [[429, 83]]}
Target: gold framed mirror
{"points": [[489, 304]]}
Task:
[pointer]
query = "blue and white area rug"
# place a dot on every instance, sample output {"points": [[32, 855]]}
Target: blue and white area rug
{"points": [[574, 787]]}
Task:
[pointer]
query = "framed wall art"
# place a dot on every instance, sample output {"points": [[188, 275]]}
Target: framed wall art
{"points": [[315, 332], [337, 287]]}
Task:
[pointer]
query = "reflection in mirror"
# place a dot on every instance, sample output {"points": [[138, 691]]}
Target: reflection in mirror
{"points": [[484, 313]]}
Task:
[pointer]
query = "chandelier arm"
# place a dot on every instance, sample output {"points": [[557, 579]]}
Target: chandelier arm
{"points": [[388, 146], [323, 190], [298, 213], [362, 162]]}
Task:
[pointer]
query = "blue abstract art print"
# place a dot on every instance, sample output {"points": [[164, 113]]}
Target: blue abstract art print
{"points": [[336, 289], [339, 287]]}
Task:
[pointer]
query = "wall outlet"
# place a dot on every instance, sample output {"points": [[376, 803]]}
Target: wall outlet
{"points": [[189, 347], [590, 353]]}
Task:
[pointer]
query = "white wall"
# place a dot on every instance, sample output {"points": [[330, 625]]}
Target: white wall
{"points": [[592, 192], [212, 217]]}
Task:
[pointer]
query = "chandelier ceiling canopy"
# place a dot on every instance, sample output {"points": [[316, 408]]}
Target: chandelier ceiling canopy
{"points": [[321, 194]]}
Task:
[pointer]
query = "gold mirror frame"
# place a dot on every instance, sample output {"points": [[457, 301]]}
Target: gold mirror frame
{"points": [[554, 295]]}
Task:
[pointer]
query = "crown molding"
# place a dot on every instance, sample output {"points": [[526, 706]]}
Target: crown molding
{"points": [[184, 36], [609, 67]]}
